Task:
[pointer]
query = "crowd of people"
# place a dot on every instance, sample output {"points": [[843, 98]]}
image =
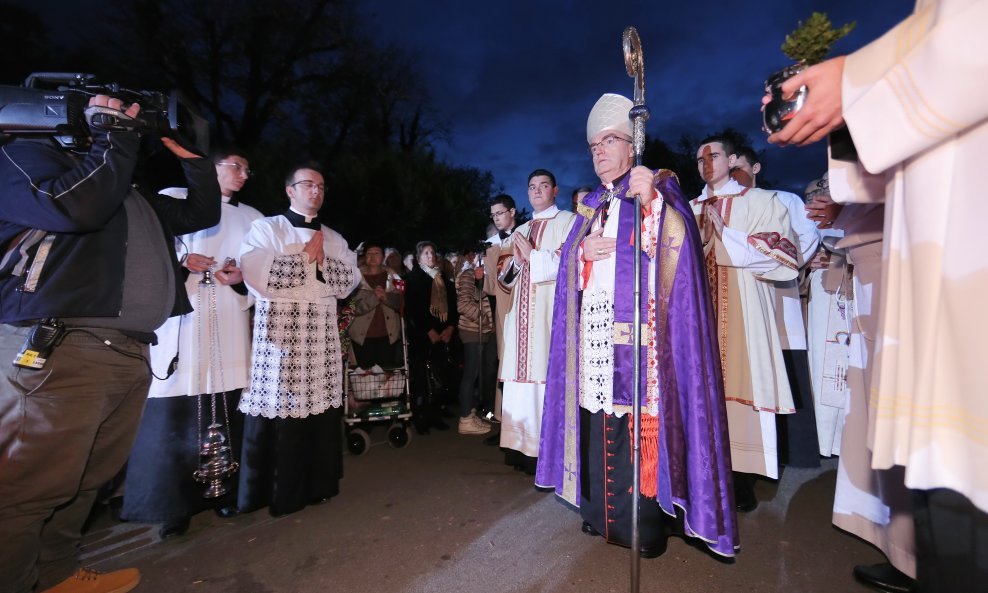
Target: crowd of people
{"points": [[772, 330]]}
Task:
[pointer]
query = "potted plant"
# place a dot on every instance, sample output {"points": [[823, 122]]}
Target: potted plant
{"points": [[809, 44]]}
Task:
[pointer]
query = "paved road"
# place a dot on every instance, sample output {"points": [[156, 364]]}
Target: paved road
{"points": [[445, 514]]}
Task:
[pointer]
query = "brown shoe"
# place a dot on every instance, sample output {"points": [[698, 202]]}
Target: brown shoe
{"points": [[86, 580]]}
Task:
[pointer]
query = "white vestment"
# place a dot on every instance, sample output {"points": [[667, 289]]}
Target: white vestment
{"points": [[758, 248], [872, 504], [213, 351], [914, 102], [527, 327], [828, 333], [296, 364]]}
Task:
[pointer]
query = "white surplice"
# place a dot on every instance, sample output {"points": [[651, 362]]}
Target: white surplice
{"points": [[296, 362], [211, 359]]}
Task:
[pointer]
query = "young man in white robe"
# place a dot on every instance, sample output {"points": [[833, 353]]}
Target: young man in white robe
{"points": [[749, 245], [797, 433], [296, 268], [531, 279], [212, 347], [912, 103]]}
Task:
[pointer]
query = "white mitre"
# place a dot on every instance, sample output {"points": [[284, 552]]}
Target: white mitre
{"points": [[610, 112]]}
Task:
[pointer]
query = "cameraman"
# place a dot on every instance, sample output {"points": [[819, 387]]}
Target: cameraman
{"points": [[82, 247]]}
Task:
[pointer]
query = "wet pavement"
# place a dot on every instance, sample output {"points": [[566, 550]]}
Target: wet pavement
{"points": [[445, 514]]}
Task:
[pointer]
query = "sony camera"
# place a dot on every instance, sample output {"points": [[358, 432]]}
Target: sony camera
{"points": [[55, 104]]}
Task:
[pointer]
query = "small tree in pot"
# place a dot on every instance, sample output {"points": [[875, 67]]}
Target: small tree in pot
{"points": [[809, 44]]}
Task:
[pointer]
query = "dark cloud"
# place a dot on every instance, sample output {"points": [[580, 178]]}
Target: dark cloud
{"points": [[516, 78]]}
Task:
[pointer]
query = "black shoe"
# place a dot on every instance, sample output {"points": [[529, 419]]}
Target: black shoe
{"points": [[744, 493], [747, 505], [653, 551], [439, 425], [227, 512], [494, 440], [174, 528], [115, 505], [884, 577], [421, 428], [588, 529]]}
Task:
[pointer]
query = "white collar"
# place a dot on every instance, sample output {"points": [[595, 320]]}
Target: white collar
{"points": [[547, 213], [728, 189]]}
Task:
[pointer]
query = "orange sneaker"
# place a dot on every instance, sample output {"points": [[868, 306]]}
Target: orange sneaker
{"points": [[86, 580]]}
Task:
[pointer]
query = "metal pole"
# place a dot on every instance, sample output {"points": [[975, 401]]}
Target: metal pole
{"points": [[639, 115]]}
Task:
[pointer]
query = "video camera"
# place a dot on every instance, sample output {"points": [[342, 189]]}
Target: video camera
{"points": [[55, 104]]}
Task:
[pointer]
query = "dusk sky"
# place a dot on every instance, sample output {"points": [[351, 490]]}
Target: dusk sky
{"points": [[514, 80]]}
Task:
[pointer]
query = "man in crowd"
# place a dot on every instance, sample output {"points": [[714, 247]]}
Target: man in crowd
{"points": [[874, 505], [586, 446], [797, 432], [476, 331], [296, 268], [530, 277], [912, 123], [212, 346], [749, 246], [90, 258], [498, 256]]}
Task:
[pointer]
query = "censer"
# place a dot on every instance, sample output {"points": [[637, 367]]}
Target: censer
{"points": [[215, 452]]}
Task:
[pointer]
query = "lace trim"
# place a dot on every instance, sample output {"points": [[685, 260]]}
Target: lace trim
{"points": [[296, 367], [597, 351], [287, 271], [339, 276]]}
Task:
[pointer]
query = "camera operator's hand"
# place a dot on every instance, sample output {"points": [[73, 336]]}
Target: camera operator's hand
{"points": [[177, 150], [113, 103], [196, 262], [106, 114]]}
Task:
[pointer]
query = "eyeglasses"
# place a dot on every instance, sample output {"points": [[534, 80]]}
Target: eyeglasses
{"points": [[241, 170], [606, 142], [497, 214], [310, 185]]}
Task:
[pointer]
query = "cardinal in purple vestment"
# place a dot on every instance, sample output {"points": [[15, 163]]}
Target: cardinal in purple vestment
{"points": [[585, 451]]}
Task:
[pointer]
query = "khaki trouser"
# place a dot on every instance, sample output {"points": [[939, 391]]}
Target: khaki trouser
{"points": [[65, 430]]}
